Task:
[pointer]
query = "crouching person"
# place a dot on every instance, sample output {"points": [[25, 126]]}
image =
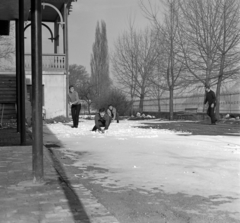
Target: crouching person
{"points": [[112, 112], [102, 120]]}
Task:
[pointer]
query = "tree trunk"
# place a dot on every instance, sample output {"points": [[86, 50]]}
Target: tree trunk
{"points": [[172, 63], [219, 83], [141, 103], [159, 105], [171, 103], [222, 65], [89, 105], [158, 100], [131, 104], [206, 83], [203, 101]]}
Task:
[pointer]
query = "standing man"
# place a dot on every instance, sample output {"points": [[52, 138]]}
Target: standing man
{"points": [[102, 119], [75, 105], [112, 112], [211, 99]]}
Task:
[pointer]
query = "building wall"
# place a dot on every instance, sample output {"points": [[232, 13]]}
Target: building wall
{"points": [[54, 93]]}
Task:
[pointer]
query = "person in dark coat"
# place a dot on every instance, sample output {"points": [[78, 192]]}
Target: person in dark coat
{"points": [[211, 100], [75, 105], [102, 119]]}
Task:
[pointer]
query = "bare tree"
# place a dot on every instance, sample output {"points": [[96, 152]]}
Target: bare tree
{"points": [[86, 93], [156, 92], [199, 23], [124, 63], [133, 61], [167, 36], [148, 56], [228, 41], [210, 40]]}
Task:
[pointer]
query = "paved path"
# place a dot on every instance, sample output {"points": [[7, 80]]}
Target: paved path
{"points": [[10, 137], [60, 199]]}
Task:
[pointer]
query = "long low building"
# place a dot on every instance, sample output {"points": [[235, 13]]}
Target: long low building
{"points": [[193, 99]]}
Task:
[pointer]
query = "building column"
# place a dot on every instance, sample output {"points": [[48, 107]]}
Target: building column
{"points": [[17, 76], [56, 37], [21, 71], [36, 35], [66, 52]]}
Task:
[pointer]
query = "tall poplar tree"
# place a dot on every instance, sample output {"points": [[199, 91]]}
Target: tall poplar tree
{"points": [[100, 63]]}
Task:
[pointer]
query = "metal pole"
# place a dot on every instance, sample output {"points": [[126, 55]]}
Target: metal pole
{"points": [[22, 73], [36, 15], [66, 51], [18, 76], [56, 36]]}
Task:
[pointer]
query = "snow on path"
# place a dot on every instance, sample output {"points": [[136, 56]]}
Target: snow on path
{"points": [[121, 131], [157, 160]]}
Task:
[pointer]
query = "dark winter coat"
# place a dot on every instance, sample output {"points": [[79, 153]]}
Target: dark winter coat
{"points": [[99, 121], [210, 98]]}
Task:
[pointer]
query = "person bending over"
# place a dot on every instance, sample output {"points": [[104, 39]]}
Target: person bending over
{"points": [[211, 99], [112, 112], [102, 119], [75, 105]]}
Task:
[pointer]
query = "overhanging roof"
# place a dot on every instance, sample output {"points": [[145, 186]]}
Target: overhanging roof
{"points": [[9, 9], [48, 13]]}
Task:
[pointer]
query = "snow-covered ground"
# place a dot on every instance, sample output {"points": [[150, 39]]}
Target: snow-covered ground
{"points": [[155, 160]]}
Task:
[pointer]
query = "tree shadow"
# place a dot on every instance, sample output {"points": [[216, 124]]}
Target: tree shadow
{"points": [[70, 124], [74, 202], [196, 128]]}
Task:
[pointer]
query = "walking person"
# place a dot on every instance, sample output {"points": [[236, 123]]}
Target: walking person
{"points": [[112, 112], [102, 120], [211, 99], [74, 102]]}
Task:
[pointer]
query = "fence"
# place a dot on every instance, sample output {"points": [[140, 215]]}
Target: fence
{"points": [[50, 62], [229, 103]]}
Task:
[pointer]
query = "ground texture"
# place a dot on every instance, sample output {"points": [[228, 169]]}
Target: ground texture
{"points": [[138, 172], [156, 171]]}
